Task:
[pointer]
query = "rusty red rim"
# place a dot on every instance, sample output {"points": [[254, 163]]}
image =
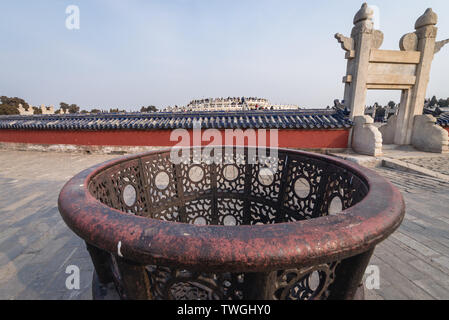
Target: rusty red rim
{"points": [[244, 248]]}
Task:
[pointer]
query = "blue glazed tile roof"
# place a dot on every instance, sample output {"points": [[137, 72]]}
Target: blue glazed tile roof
{"points": [[443, 120], [268, 119]]}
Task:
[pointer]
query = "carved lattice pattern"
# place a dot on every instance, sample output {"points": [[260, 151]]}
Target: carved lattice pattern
{"points": [[242, 189], [310, 283]]}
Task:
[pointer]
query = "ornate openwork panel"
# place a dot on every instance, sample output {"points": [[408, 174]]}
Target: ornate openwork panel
{"points": [[241, 189], [231, 172], [263, 213], [128, 184], [231, 212], [266, 173], [341, 191], [310, 283], [244, 187], [174, 284], [160, 176], [195, 179], [199, 212], [301, 195], [101, 190], [122, 187], [171, 213]]}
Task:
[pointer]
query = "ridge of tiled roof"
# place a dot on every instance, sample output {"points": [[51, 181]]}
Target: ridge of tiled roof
{"points": [[266, 119], [443, 119]]}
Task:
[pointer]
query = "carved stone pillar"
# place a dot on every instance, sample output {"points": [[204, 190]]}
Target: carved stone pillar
{"points": [[358, 50], [413, 103]]}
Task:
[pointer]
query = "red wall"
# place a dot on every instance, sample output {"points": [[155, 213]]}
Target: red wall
{"points": [[291, 138]]}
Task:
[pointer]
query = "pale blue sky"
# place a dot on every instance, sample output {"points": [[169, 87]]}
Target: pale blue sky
{"points": [[135, 52]]}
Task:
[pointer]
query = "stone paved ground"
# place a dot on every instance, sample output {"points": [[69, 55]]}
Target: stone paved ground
{"points": [[36, 246], [414, 261], [439, 164]]}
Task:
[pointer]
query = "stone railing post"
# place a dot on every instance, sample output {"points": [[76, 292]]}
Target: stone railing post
{"points": [[412, 101]]}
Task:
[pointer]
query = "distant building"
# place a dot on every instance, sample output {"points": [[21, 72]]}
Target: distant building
{"points": [[231, 104]]}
